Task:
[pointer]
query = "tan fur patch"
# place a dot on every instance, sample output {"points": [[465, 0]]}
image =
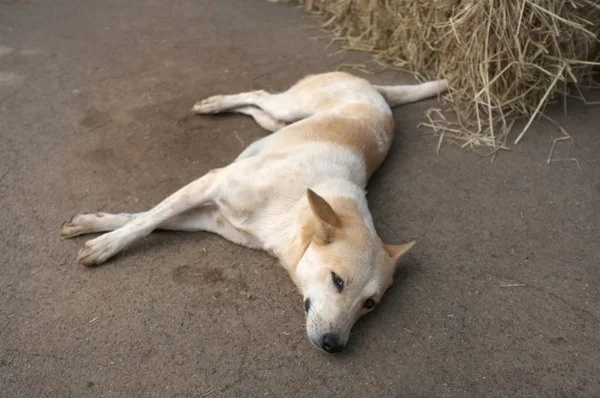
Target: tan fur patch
{"points": [[357, 132], [314, 83]]}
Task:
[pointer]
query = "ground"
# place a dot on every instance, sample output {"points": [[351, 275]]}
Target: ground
{"points": [[94, 115]]}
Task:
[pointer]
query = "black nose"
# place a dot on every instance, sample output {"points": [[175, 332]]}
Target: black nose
{"points": [[331, 343]]}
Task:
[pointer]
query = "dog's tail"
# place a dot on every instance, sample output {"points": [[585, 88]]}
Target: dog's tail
{"points": [[397, 95]]}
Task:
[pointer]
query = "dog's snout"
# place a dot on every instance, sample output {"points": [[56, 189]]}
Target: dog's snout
{"points": [[331, 343]]}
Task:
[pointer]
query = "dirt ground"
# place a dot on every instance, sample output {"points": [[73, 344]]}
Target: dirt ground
{"points": [[94, 115]]}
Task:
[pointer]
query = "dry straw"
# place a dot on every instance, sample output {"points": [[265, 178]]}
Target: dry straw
{"points": [[505, 59]]}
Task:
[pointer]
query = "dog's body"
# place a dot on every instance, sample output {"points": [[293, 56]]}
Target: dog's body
{"points": [[298, 194]]}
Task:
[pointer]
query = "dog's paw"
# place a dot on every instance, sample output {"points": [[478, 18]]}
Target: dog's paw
{"points": [[76, 226], [80, 224], [209, 105], [97, 251]]}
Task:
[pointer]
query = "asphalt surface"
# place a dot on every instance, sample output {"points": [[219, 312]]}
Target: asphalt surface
{"points": [[94, 115]]}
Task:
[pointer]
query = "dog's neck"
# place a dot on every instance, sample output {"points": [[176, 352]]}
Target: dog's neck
{"points": [[297, 233]]}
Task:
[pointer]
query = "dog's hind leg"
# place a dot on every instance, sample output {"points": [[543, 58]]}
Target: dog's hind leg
{"points": [[223, 103], [265, 120], [288, 107], [193, 195]]}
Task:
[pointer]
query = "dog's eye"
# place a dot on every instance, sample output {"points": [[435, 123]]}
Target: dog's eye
{"points": [[337, 281], [369, 304]]}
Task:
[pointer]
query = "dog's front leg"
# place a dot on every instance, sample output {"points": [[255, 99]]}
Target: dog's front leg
{"points": [[199, 192]]}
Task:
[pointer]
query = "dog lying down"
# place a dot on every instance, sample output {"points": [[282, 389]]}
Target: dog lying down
{"points": [[298, 193]]}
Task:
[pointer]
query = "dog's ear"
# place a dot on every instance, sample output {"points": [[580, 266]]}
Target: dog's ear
{"points": [[396, 252], [327, 221]]}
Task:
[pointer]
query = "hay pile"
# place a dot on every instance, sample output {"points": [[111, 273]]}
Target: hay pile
{"points": [[505, 59]]}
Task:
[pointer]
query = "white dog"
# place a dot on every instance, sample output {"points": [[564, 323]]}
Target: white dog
{"points": [[298, 193]]}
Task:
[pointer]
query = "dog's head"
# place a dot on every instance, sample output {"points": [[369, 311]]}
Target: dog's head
{"points": [[345, 270]]}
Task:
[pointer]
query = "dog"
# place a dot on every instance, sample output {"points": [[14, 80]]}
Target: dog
{"points": [[298, 193]]}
